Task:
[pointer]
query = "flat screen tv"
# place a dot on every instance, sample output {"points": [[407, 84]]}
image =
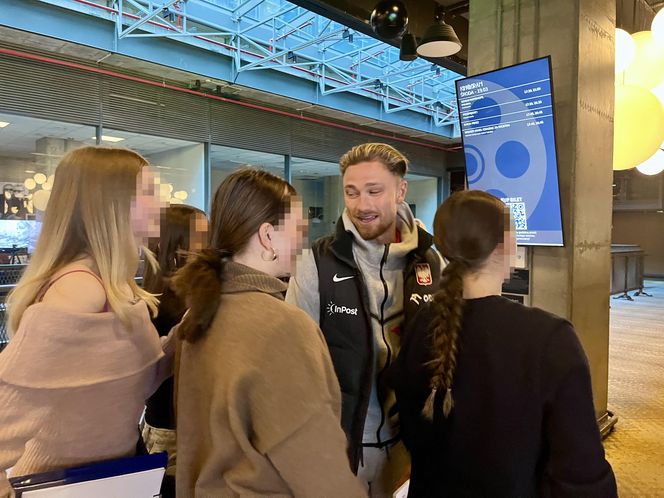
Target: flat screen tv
{"points": [[19, 233], [509, 143]]}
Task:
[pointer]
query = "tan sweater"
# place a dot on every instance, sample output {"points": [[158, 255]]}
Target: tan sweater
{"points": [[73, 386], [258, 403]]}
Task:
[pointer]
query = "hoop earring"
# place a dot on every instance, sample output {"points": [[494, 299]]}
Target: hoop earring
{"points": [[265, 255]]}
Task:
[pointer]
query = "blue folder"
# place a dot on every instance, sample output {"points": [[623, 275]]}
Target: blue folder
{"points": [[91, 472]]}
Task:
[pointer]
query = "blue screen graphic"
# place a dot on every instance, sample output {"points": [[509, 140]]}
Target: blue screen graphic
{"points": [[509, 142]]}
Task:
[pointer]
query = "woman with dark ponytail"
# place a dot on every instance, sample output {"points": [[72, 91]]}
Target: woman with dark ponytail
{"points": [[257, 400], [495, 398]]}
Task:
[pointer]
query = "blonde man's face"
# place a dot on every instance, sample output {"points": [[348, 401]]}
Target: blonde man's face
{"points": [[372, 195]]}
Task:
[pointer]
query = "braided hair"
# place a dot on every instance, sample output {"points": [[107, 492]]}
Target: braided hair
{"points": [[468, 227]]}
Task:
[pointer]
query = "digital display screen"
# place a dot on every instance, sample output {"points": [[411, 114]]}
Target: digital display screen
{"points": [[509, 143], [19, 233]]}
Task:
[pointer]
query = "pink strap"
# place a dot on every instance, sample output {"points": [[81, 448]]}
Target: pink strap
{"points": [[44, 290]]}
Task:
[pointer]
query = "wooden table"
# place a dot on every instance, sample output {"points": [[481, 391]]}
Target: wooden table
{"points": [[626, 270]]}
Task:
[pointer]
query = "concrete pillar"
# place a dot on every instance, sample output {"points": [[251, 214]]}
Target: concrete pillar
{"points": [[579, 35], [52, 149]]}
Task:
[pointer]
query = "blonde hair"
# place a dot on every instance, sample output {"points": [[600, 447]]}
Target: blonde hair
{"points": [[88, 214], [385, 154]]}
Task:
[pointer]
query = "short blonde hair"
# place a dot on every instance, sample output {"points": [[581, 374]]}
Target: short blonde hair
{"points": [[385, 154], [88, 214]]}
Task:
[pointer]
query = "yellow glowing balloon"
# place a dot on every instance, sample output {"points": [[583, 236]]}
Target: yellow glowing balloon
{"points": [[654, 165], [647, 68], [657, 28], [40, 199], [175, 200], [40, 178], [625, 50], [638, 126], [164, 193], [181, 194], [30, 183]]}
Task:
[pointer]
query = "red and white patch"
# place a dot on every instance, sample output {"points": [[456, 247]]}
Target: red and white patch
{"points": [[423, 274]]}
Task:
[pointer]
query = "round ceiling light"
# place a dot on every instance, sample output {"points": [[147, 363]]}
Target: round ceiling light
{"points": [[654, 165], [625, 50]]}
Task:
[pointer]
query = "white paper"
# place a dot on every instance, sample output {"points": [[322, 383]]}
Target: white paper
{"points": [[402, 492], [146, 484]]}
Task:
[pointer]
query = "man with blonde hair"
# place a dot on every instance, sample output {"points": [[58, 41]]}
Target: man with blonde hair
{"points": [[363, 285]]}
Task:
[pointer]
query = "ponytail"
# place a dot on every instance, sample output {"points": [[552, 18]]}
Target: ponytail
{"points": [[245, 200], [447, 307], [199, 284]]}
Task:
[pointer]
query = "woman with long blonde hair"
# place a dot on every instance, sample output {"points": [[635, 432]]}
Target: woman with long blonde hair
{"points": [[83, 355]]}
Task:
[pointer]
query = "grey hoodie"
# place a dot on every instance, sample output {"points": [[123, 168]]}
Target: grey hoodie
{"points": [[303, 291]]}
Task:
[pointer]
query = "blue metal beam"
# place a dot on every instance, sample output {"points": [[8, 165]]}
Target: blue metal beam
{"points": [[246, 7], [149, 16], [96, 31], [278, 55], [256, 24]]}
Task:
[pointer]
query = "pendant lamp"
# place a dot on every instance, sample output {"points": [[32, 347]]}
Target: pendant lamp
{"points": [[440, 39], [408, 50]]}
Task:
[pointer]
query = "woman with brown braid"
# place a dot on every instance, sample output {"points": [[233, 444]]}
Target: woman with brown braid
{"points": [[494, 397]]}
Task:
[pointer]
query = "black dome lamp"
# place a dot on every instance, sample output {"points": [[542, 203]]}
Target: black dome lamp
{"points": [[389, 19], [408, 48], [439, 39]]}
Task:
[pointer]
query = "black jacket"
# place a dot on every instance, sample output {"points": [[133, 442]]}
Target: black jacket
{"points": [[523, 422], [345, 320], [159, 409]]}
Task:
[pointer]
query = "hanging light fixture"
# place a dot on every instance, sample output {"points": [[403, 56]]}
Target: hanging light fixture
{"points": [[408, 50], [654, 165], [625, 50], [389, 19], [440, 39]]}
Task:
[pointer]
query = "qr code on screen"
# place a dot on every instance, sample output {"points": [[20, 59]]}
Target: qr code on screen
{"points": [[518, 210]]}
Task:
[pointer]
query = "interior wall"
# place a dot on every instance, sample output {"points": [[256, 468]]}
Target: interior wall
{"points": [[634, 15], [313, 195], [100, 100], [334, 202], [646, 230], [186, 166], [423, 194]]}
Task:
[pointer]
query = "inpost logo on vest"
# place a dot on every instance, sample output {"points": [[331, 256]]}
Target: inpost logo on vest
{"points": [[333, 309]]}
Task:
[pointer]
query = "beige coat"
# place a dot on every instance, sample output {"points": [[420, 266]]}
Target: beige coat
{"points": [[73, 386], [258, 403]]}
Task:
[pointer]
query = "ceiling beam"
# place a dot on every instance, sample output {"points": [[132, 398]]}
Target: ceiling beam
{"points": [[356, 13]]}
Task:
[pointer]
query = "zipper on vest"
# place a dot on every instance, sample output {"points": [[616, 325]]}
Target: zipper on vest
{"points": [[366, 391], [388, 360]]}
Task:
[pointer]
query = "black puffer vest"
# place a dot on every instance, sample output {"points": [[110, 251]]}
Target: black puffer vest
{"points": [[345, 319]]}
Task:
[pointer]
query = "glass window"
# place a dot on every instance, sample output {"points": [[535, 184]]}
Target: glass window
{"points": [[180, 164], [30, 150], [225, 160], [422, 197], [319, 185]]}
